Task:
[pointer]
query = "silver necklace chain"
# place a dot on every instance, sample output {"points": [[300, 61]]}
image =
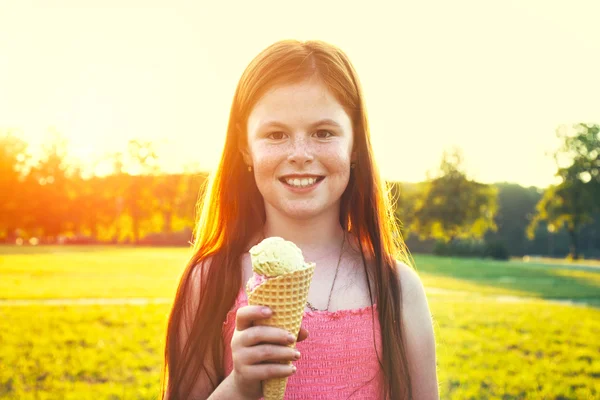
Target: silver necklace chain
{"points": [[313, 308]]}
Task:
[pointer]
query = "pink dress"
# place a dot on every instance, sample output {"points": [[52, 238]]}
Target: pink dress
{"points": [[339, 357]]}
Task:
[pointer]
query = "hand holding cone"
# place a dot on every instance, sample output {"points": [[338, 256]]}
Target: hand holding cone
{"points": [[284, 294]]}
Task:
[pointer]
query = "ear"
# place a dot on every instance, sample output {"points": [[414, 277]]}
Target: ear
{"points": [[243, 145], [246, 156]]}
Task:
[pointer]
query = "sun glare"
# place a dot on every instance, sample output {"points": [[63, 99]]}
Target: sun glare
{"points": [[458, 81]]}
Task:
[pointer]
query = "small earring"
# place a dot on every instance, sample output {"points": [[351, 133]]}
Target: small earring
{"points": [[249, 168], [352, 165]]}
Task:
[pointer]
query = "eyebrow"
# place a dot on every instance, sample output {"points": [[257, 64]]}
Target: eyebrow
{"points": [[277, 124]]}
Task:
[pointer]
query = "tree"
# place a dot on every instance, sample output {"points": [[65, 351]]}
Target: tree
{"points": [[194, 188], [453, 206], [406, 197], [168, 192], [50, 178], [572, 203], [568, 204], [581, 147], [13, 164], [516, 207], [93, 208], [137, 198]]}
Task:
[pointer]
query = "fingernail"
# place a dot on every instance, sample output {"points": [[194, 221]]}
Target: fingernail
{"points": [[297, 355], [266, 311], [291, 338], [293, 369]]}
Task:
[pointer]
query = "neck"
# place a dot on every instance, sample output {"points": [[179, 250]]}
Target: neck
{"points": [[318, 237]]}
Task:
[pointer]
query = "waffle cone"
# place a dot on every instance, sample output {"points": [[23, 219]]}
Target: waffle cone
{"points": [[286, 295]]}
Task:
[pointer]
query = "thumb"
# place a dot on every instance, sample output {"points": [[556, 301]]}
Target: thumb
{"points": [[302, 334]]}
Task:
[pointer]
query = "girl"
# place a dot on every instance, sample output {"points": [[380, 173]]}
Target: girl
{"points": [[298, 164]]}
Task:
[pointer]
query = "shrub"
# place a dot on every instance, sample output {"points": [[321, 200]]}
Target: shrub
{"points": [[497, 251], [460, 248], [472, 248]]}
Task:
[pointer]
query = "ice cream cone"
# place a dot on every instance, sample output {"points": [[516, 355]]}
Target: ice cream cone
{"points": [[286, 296]]}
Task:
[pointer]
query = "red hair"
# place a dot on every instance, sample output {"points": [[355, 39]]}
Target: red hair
{"points": [[233, 212]]}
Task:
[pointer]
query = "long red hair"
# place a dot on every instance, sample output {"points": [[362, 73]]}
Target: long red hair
{"points": [[232, 212]]}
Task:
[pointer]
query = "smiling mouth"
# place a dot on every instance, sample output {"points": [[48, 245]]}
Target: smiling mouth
{"points": [[302, 182]]}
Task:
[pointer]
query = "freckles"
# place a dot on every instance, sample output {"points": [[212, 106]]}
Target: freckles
{"points": [[267, 157], [337, 154]]}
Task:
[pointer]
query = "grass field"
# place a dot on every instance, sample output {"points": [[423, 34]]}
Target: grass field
{"points": [[487, 348]]}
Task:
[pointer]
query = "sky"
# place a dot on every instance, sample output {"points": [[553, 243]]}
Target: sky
{"points": [[493, 78]]}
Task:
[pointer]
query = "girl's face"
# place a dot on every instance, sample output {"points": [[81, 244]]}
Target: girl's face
{"points": [[300, 147]]}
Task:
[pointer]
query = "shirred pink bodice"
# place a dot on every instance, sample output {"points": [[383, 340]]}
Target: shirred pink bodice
{"points": [[339, 357]]}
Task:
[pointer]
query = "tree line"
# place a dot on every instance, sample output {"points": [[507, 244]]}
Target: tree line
{"points": [[54, 199]]}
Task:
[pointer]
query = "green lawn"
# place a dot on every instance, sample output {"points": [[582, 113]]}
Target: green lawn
{"points": [[511, 278], [487, 349], [490, 350], [75, 352], [89, 272]]}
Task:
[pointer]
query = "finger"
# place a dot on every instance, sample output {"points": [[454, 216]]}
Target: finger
{"points": [[268, 371], [269, 353], [302, 334], [265, 334], [246, 315]]}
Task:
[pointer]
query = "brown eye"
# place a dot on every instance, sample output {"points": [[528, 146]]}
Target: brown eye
{"points": [[323, 134], [275, 135]]}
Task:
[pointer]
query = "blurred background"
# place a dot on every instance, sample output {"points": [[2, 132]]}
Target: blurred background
{"points": [[485, 119]]}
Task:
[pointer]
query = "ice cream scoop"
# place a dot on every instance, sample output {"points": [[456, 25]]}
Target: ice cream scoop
{"points": [[276, 256]]}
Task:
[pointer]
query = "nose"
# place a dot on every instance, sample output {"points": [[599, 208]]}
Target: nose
{"points": [[301, 152]]}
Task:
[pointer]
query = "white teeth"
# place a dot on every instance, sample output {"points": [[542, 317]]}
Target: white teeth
{"points": [[301, 182]]}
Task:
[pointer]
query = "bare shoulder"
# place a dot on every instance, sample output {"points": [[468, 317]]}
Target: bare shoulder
{"points": [[194, 285], [418, 331], [415, 309], [199, 271], [412, 288], [201, 386]]}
